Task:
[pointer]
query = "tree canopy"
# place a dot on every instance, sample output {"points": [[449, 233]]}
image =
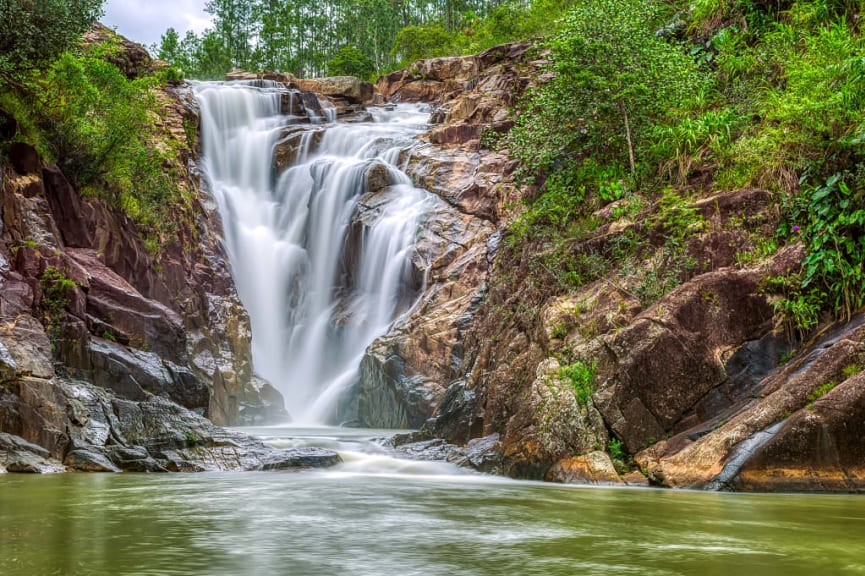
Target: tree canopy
{"points": [[310, 38], [35, 32]]}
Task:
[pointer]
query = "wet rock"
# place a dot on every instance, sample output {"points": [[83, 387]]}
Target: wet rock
{"points": [[548, 425], [484, 454], [454, 416], [300, 459], [348, 87], [378, 177], [132, 374], [781, 400], [435, 450], [820, 448], [132, 459], [665, 362], [89, 461], [262, 405], [238, 74], [635, 478], [19, 456], [295, 141], [389, 398], [593, 468], [126, 314]]}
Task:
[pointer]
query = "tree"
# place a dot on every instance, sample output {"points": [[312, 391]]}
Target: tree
{"points": [[418, 42], [33, 34], [350, 61], [614, 81], [169, 47]]}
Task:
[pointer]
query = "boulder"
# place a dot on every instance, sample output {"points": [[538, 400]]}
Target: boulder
{"points": [[751, 445], [300, 459], [132, 59], [238, 74], [117, 310], [89, 461], [659, 368], [593, 468], [348, 87], [548, 425], [820, 448]]}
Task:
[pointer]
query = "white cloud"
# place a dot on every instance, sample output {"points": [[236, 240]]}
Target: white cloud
{"points": [[145, 21]]}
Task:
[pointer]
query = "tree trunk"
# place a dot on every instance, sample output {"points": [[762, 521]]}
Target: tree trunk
{"points": [[630, 142]]}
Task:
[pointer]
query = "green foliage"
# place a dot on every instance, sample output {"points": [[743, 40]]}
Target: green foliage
{"points": [[835, 243], [821, 391], [350, 61], [677, 218], [419, 42], [616, 449], [95, 123], [56, 288], [851, 370], [581, 375], [33, 34], [615, 80]]}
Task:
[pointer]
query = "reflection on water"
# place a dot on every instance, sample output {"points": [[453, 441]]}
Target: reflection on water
{"points": [[375, 515]]}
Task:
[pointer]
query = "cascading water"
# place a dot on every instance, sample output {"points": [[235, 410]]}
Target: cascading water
{"points": [[319, 280]]}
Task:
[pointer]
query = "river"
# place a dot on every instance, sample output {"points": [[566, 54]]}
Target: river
{"points": [[379, 516]]}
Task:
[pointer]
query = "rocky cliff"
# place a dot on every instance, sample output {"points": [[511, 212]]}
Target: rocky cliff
{"points": [[670, 368], [111, 353]]}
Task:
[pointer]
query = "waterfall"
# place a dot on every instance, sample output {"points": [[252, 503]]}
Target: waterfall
{"points": [[322, 268]]}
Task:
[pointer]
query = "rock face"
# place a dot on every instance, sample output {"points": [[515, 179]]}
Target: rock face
{"points": [[349, 88], [83, 303], [688, 386]]}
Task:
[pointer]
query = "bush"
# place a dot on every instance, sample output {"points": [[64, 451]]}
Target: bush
{"points": [[350, 61], [614, 81], [581, 375], [420, 42]]}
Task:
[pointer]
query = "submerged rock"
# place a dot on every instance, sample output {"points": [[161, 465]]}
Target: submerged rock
{"points": [[299, 459]]}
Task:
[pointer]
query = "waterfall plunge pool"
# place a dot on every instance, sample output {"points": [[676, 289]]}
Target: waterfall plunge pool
{"points": [[379, 516]]}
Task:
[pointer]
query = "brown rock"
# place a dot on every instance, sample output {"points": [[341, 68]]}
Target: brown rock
{"points": [[132, 59], [352, 89], [593, 468], [820, 448], [666, 361]]}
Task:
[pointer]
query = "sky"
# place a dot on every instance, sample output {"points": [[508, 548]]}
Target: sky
{"points": [[144, 21]]}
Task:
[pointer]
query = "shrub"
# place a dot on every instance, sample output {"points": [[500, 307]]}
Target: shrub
{"points": [[350, 61], [581, 375], [419, 42]]}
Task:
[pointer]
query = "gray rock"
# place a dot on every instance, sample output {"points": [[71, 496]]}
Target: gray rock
{"points": [[299, 459], [484, 454], [436, 449], [89, 461]]}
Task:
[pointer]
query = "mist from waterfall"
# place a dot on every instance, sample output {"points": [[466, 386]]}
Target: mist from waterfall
{"points": [[321, 274]]}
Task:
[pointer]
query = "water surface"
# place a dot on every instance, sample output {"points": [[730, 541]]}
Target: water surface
{"points": [[376, 515]]}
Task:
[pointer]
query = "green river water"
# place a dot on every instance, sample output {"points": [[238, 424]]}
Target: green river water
{"points": [[376, 515]]}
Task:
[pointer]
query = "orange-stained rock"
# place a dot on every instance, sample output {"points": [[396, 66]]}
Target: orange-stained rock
{"points": [[593, 468]]}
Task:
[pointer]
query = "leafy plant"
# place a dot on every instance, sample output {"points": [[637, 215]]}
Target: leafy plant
{"points": [[615, 449], [821, 391], [33, 34], [851, 370], [581, 375]]}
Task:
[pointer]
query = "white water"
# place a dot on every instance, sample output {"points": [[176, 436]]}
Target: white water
{"points": [[316, 302]]}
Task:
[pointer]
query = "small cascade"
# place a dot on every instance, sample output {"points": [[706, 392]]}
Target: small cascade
{"points": [[323, 265]]}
